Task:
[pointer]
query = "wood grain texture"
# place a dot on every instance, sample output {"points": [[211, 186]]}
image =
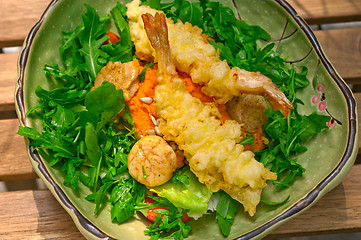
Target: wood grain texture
{"points": [[343, 48], [327, 11], [14, 29], [338, 211], [8, 78], [34, 215], [14, 161], [17, 18], [38, 215]]}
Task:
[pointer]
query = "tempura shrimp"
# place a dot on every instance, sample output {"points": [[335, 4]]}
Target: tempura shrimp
{"points": [[152, 161], [210, 147], [192, 55]]}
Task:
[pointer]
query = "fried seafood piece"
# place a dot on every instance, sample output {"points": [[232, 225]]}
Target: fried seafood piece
{"points": [[201, 61], [152, 161], [210, 147], [248, 109], [123, 75]]}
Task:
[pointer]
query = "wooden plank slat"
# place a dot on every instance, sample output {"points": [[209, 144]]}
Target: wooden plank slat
{"points": [[327, 11], [36, 214], [14, 161], [18, 16], [8, 78], [338, 211], [343, 48]]}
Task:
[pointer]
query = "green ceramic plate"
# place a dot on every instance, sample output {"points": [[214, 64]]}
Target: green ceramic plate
{"points": [[330, 156]]}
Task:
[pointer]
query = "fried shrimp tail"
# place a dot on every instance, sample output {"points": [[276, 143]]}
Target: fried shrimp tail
{"points": [[256, 83], [157, 32]]}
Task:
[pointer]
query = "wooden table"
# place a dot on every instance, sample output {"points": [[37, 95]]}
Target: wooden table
{"points": [[35, 214]]}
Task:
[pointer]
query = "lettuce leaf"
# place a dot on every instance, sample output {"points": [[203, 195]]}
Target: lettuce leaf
{"points": [[186, 192]]}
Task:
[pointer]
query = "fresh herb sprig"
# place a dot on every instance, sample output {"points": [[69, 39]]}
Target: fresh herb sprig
{"points": [[249, 139], [286, 137], [168, 223]]}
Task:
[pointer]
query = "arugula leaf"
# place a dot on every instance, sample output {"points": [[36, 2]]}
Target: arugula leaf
{"points": [[180, 176], [169, 223], [142, 73], [226, 208], [154, 4], [91, 38], [99, 196], [249, 139], [122, 50], [68, 50], [311, 125], [286, 137], [48, 140], [104, 103], [93, 152], [191, 13], [276, 203], [71, 174], [122, 202]]}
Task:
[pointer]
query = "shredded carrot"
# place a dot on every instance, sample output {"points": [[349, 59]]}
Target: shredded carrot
{"points": [[141, 112], [180, 159], [193, 88], [206, 38], [224, 114], [258, 143], [196, 91]]}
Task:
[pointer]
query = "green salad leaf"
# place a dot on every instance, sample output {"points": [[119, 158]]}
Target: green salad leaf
{"points": [[91, 38], [287, 135], [122, 50], [185, 192], [249, 139], [227, 207]]}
